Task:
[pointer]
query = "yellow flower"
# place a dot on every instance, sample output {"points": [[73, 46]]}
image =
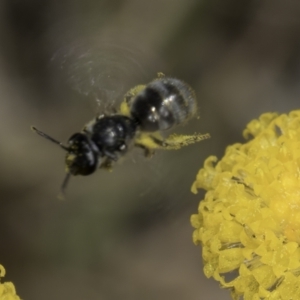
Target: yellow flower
{"points": [[249, 220], [7, 289]]}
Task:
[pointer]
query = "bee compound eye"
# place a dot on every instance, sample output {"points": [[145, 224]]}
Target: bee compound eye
{"points": [[83, 164]]}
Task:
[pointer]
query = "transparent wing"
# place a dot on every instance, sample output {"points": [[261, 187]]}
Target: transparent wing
{"points": [[101, 71]]}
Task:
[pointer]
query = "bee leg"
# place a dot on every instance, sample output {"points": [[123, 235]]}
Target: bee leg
{"points": [[166, 144], [160, 75], [114, 111], [160, 143], [147, 151], [107, 165], [110, 155], [175, 142]]}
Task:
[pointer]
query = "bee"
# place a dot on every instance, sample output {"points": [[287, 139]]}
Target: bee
{"points": [[146, 111]]}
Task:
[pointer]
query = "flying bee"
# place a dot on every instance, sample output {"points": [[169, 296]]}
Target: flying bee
{"points": [[145, 112]]}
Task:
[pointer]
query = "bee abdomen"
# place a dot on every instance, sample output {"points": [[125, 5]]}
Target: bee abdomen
{"points": [[164, 103]]}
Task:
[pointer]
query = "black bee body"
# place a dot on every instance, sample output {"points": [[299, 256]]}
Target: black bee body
{"points": [[145, 111], [103, 139]]}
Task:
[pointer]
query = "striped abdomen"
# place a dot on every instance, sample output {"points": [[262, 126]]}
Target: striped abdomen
{"points": [[164, 103]]}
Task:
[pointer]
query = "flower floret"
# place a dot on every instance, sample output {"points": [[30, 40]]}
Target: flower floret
{"points": [[249, 220], [7, 289]]}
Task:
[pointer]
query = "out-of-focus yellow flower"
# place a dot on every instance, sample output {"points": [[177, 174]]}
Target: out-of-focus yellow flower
{"points": [[249, 221], [7, 289]]}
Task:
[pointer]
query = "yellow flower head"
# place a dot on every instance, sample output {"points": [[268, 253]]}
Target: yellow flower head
{"points": [[7, 289], [249, 220]]}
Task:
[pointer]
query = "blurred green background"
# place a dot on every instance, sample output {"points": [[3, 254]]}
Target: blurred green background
{"points": [[126, 234]]}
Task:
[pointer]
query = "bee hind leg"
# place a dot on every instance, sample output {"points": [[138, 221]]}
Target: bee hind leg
{"points": [[172, 142], [148, 152]]}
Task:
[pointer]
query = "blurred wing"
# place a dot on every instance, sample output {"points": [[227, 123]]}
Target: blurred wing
{"points": [[100, 71]]}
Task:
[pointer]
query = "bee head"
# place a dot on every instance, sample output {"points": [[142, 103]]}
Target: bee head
{"points": [[82, 155]]}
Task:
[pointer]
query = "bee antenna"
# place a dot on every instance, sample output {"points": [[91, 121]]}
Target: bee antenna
{"points": [[62, 193], [46, 136]]}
